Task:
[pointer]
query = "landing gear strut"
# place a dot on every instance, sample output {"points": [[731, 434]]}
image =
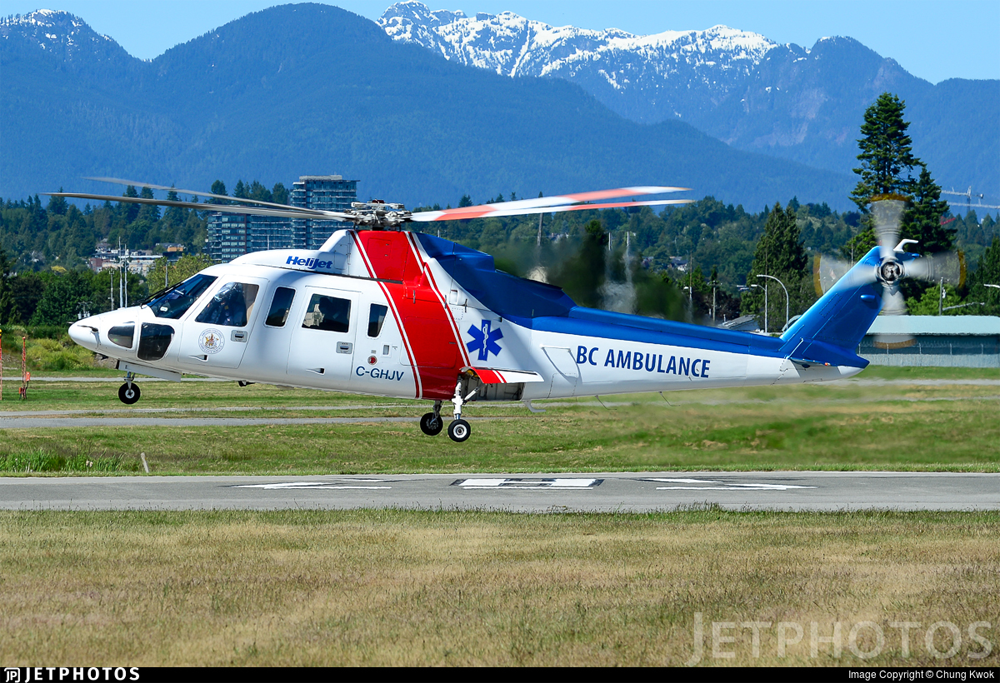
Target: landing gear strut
{"points": [[459, 430], [129, 393]]}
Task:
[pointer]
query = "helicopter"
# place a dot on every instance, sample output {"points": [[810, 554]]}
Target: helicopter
{"points": [[384, 310]]}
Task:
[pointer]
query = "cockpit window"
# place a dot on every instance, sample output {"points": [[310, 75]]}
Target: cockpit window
{"points": [[231, 306], [175, 302]]}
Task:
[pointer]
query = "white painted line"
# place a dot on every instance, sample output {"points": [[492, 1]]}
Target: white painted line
{"points": [[307, 485], [722, 485], [547, 483]]}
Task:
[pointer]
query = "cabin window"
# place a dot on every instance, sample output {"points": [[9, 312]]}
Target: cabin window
{"points": [[122, 335], [231, 306], [173, 303], [328, 313], [154, 340], [280, 305], [376, 318]]}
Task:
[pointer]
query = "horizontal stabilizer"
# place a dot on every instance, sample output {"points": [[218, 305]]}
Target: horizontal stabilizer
{"points": [[494, 376]]}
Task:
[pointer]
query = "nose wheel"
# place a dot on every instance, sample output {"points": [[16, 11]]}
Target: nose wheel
{"points": [[129, 393]]}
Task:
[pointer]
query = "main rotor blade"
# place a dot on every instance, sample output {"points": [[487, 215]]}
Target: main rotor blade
{"points": [[284, 212], [887, 213], [487, 210], [119, 181], [501, 210], [948, 266]]}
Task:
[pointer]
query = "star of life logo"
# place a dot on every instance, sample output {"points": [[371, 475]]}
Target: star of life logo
{"points": [[484, 340]]}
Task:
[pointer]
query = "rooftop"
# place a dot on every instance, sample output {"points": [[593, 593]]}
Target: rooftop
{"points": [[949, 325]]}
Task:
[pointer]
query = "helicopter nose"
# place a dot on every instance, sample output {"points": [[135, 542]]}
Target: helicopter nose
{"points": [[85, 333]]}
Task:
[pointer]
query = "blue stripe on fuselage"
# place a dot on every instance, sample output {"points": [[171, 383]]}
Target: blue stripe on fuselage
{"points": [[589, 322]]}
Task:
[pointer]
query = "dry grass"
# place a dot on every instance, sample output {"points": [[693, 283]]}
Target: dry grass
{"points": [[412, 588]]}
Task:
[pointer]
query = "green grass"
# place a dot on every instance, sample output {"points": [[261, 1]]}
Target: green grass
{"points": [[847, 425]]}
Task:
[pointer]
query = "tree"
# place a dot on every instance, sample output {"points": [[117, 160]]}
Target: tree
{"points": [[988, 272], [886, 152], [185, 267], [922, 220], [279, 195], [8, 311], [219, 188], [57, 205], [779, 254], [131, 211], [60, 301], [582, 275]]}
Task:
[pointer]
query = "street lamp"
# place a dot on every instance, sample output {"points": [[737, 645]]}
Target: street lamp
{"points": [[771, 277]]}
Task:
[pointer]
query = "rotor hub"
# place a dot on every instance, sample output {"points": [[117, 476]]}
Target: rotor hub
{"points": [[890, 271]]}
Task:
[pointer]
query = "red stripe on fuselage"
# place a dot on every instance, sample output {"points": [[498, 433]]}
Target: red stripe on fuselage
{"points": [[395, 315], [435, 349], [442, 297]]}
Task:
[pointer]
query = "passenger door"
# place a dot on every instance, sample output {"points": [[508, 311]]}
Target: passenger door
{"points": [[322, 347]]}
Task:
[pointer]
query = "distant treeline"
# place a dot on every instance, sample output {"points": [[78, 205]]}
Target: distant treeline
{"points": [[46, 247]]}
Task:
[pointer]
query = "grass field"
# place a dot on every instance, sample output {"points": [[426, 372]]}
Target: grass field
{"points": [[890, 418], [442, 588], [391, 587]]}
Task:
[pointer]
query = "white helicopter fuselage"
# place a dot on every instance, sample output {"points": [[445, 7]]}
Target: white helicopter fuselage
{"points": [[407, 315]]}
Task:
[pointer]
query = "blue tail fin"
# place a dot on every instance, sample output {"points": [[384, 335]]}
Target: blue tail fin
{"points": [[830, 331]]}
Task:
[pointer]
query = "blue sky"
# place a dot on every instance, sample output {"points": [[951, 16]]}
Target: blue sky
{"points": [[932, 39]]}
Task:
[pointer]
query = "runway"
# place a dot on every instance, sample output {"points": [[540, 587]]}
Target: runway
{"points": [[580, 492]]}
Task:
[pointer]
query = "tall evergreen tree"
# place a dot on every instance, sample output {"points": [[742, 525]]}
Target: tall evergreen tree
{"points": [[886, 152], [988, 272], [922, 220], [129, 211], [780, 254], [279, 195], [219, 188]]}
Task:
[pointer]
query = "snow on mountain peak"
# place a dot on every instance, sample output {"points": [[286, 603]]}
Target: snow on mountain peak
{"points": [[511, 45], [59, 31]]}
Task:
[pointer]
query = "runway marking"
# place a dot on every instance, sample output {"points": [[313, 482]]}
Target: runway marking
{"points": [[722, 485], [312, 485], [546, 483]]}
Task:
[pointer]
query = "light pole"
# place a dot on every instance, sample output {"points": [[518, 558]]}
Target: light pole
{"points": [[771, 277]]}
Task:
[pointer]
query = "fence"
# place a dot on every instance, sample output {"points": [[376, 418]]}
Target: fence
{"points": [[967, 351]]}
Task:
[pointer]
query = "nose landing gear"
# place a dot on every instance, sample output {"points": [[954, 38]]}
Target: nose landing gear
{"points": [[129, 393]]}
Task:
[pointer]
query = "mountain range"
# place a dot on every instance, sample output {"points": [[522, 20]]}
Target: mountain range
{"points": [[313, 89], [740, 87]]}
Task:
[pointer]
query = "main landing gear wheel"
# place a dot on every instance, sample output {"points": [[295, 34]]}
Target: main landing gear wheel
{"points": [[459, 430], [431, 424], [129, 393]]}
